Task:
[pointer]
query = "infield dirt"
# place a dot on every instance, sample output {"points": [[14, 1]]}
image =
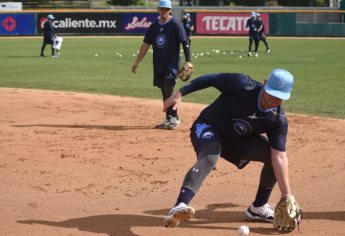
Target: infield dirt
{"points": [[80, 164]]}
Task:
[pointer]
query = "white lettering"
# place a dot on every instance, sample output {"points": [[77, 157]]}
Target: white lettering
{"points": [[225, 23], [144, 23]]}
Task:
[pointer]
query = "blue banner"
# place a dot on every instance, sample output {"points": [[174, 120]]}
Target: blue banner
{"points": [[137, 23], [17, 24]]}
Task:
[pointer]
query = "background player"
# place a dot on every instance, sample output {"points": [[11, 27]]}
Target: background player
{"points": [[262, 34], [188, 26], [49, 35], [254, 27], [165, 34], [232, 127]]}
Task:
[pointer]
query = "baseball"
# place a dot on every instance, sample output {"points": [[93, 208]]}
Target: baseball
{"points": [[243, 230], [96, 55]]}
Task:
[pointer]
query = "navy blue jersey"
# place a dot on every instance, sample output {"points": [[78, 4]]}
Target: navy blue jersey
{"points": [[263, 26], [48, 30], [186, 25], [236, 113], [253, 24], [165, 39]]}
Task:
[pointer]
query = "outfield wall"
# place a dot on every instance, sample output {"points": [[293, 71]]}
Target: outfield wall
{"points": [[135, 22]]}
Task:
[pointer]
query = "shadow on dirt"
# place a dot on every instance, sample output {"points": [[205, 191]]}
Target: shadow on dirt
{"points": [[105, 127], [121, 224]]}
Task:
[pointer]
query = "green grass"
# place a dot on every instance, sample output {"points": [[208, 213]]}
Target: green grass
{"points": [[317, 64]]}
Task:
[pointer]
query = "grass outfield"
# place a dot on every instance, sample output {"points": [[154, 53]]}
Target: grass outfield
{"points": [[317, 64]]}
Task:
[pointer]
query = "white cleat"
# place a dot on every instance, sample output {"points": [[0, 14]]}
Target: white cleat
{"points": [[263, 213], [181, 212]]}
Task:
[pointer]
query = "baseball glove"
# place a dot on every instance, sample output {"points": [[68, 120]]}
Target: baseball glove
{"points": [[186, 71], [287, 214]]}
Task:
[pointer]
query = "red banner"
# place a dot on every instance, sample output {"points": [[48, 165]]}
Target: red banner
{"points": [[226, 23]]}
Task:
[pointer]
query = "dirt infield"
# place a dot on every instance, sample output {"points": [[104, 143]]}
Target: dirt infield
{"points": [[80, 164]]}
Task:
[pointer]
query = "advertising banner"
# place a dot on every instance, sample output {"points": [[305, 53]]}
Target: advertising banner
{"points": [[226, 23], [17, 24], [137, 23], [83, 23]]}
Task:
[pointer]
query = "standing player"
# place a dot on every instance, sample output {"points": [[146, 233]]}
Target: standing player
{"points": [[231, 128], [188, 26], [49, 35], [165, 34], [254, 27], [262, 35]]}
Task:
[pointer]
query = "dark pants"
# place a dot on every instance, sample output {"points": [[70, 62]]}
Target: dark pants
{"points": [[209, 146], [45, 42], [167, 84], [256, 42]]}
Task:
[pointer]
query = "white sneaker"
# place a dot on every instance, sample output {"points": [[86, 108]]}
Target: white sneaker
{"points": [[181, 212], [264, 213], [249, 54], [268, 50]]}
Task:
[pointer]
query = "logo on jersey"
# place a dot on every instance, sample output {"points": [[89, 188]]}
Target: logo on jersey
{"points": [[242, 127], [207, 135], [161, 41]]}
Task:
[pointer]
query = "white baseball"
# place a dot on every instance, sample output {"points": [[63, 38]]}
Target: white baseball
{"points": [[243, 230], [96, 55]]}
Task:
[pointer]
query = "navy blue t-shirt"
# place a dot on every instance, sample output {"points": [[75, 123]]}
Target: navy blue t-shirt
{"points": [[165, 39], [236, 113], [186, 25], [253, 24]]}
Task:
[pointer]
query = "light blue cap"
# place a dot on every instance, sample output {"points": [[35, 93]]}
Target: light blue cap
{"points": [[279, 84], [253, 14], [51, 17], [164, 4]]}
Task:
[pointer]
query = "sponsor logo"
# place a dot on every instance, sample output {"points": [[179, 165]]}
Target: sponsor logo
{"points": [[9, 24], [138, 24], [225, 23], [85, 23]]}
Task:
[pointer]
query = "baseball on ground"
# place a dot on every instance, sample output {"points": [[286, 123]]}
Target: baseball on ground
{"points": [[243, 230]]}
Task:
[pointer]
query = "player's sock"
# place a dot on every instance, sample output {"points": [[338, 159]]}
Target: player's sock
{"points": [[262, 196], [186, 195]]}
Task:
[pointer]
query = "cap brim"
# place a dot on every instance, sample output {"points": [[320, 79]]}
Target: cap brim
{"points": [[277, 94]]}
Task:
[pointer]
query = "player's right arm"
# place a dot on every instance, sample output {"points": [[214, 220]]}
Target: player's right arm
{"points": [[281, 171], [142, 52]]}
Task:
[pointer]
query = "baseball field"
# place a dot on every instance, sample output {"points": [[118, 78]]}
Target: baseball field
{"points": [[79, 154]]}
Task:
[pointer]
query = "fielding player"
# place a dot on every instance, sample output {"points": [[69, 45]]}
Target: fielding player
{"points": [[49, 35], [165, 34], [262, 34], [254, 27], [231, 128]]}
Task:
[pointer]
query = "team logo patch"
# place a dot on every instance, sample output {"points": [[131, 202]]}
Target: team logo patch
{"points": [[207, 134], [242, 127], [281, 83], [161, 41]]}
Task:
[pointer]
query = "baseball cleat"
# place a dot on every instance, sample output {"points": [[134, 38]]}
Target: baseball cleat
{"points": [[181, 212], [263, 213], [163, 125], [174, 122], [249, 54], [268, 51]]}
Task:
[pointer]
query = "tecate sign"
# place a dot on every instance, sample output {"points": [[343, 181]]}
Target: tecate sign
{"points": [[225, 23]]}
